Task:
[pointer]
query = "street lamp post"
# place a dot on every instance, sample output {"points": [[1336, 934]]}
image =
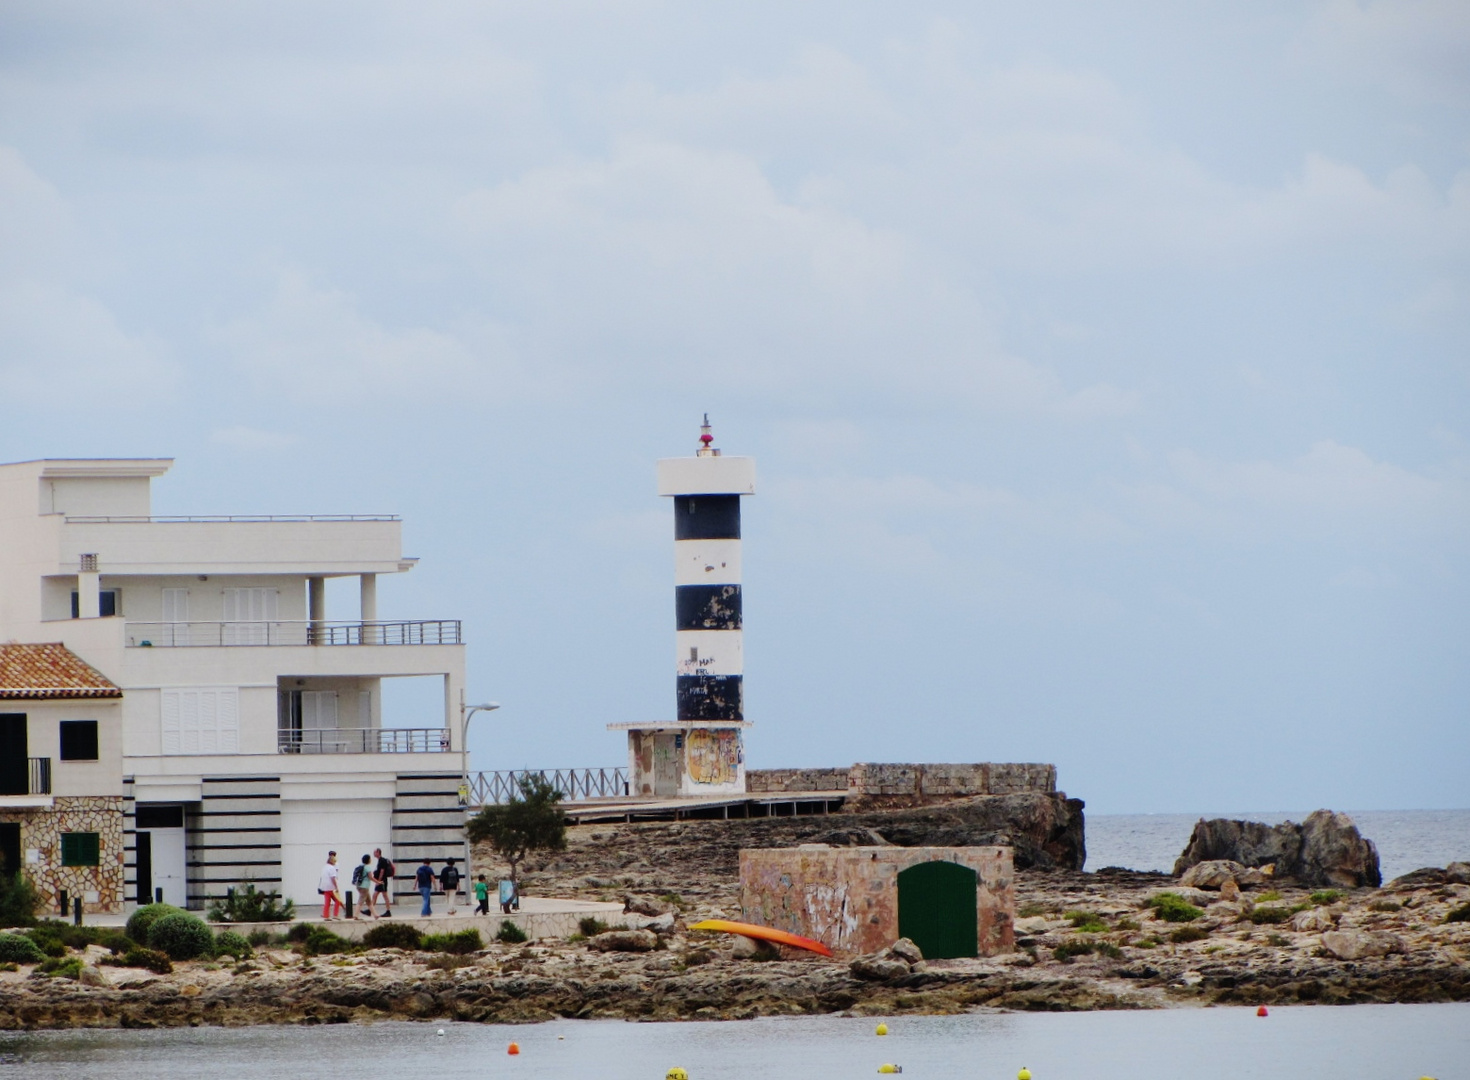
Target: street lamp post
{"points": [[465, 712]]}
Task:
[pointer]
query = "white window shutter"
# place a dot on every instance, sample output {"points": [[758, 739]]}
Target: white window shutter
{"points": [[201, 721], [171, 743], [188, 721], [227, 714]]}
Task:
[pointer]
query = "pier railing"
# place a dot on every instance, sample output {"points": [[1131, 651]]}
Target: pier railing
{"points": [[490, 788]]}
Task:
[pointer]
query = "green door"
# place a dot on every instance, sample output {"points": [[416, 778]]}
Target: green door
{"points": [[936, 909]]}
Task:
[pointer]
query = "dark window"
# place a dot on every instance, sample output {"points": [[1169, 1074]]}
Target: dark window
{"points": [[80, 849], [79, 740], [106, 603], [706, 517], [160, 817]]}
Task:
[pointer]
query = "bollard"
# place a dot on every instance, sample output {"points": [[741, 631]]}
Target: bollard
{"points": [[158, 895], [65, 907], [76, 911], [348, 908]]}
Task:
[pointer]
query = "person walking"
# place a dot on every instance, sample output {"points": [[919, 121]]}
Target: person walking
{"points": [[449, 883], [330, 888], [424, 878], [482, 896], [362, 878], [383, 881]]}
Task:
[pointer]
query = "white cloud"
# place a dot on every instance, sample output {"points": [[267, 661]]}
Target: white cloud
{"points": [[246, 438], [1417, 48]]}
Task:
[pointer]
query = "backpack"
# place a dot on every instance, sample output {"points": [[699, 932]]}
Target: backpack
{"points": [[358, 874]]}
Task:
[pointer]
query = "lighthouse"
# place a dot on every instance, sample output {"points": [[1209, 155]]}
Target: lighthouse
{"points": [[701, 751]]}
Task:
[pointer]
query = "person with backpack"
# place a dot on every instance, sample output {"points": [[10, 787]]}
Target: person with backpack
{"points": [[383, 882], [362, 880], [449, 883]]}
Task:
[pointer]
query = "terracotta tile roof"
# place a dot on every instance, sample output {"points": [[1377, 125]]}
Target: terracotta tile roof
{"points": [[50, 670]]}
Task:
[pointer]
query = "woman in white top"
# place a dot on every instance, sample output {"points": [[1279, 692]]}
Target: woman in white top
{"points": [[328, 887]]}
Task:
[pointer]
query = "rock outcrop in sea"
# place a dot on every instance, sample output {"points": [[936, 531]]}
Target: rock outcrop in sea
{"points": [[1325, 851]]}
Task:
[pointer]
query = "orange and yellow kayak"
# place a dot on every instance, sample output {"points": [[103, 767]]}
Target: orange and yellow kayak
{"points": [[762, 933]]}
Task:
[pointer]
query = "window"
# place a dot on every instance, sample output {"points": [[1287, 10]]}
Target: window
{"points": [[107, 603], [79, 740], [248, 616], [80, 849], [200, 721]]}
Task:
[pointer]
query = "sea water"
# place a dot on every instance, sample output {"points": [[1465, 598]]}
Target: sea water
{"points": [[1361, 1042], [1406, 839]]}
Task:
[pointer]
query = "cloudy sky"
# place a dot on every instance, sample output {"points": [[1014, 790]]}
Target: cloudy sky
{"points": [[1105, 364]]}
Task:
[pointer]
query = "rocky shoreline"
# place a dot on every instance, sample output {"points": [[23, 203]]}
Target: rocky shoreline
{"points": [[1085, 941]]}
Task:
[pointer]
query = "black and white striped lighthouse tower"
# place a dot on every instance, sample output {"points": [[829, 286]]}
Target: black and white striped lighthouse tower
{"points": [[702, 751]]}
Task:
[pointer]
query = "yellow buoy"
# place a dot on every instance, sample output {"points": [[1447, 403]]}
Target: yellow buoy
{"points": [[1024, 1074], [890, 1068], [882, 1029], [676, 1073]]}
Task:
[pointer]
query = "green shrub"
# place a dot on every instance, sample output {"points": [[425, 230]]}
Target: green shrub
{"points": [[138, 957], [1277, 940], [1325, 897], [1087, 922], [1108, 949], [1171, 907], [1127, 924], [246, 904], [299, 932], [322, 942], [229, 943], [588, 926], [510, 934], [258, 938], [18, 899], [1187, 933], [1270, 916], [1031, 909], [393, 935], [1068, 949], [460, 944], [140, 920], [19, 949], [61, 967], [1269, 894], [181, 935], [1459, 914]]}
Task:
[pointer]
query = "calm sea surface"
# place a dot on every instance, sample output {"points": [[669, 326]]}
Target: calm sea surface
{"points": [[1406, 839], [1391, 1042]]}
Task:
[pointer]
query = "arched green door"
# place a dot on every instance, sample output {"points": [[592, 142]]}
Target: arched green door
{"points": [[936, 908]]}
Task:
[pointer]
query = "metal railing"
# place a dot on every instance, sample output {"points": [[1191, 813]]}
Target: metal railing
{"points": [[488, 788], [363, 741], [143, 519], [293, 632], [37, 781]]}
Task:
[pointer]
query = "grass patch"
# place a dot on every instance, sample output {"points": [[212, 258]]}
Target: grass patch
{"points": [[510, 934], [1127, 924], [1069, 949], [1031, 909], [460, 944], [447, 962], [393, 935], [1459, 914], [1146, 943], [1385, 906], [139, 957], [1108, 949], [1270, 916], [1185, 934], [61, 967], [1087, 922], [1269, 894], [1277, 940], [1325, 897], [588, 926], [1171, 907]]}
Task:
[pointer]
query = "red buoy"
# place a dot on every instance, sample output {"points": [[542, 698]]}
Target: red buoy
{"points": [[513, 1048], [1262, 1011]]}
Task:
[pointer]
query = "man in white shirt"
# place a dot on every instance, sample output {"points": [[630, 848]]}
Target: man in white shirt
{"points": [[328, 887]]}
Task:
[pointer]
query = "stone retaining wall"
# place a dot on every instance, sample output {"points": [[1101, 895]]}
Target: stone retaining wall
{"points": [[911, 782], [761, 781]]}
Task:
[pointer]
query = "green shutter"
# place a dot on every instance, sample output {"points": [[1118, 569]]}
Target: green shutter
{"points": [[81, 849]]}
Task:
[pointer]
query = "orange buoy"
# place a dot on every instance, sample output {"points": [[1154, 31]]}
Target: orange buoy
{"points": [[513, 1048], [1262, 1011]]}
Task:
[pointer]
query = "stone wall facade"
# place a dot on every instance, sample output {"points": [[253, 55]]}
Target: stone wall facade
{"points": [[101, 886], [847, 898], [762, 781]]}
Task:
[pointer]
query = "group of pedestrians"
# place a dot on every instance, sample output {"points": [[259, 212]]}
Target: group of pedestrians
{"points": [[373, 878]]}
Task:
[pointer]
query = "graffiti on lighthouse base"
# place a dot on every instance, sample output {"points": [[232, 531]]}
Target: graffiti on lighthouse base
{"points": [[713, 757]]}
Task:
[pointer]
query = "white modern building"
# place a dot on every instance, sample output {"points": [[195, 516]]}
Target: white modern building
{"points": [[253, 731]]}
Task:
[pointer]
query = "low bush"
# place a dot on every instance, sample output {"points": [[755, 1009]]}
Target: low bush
{"points": [[322, 942], [460, 944], [258, 938], [19, 949], [1171, 907], [1184, 934], [1087, 922], [1277, 940], [1269, 894], [696, 957], [446, 962], [181, 935], [247, 904], [139, 957], [18, 899], [1127, 924], [393, 935], [510, 934], [1108, 949], [588, 926], [299, 932], [1068, 949], [229, 943], [1270, 916], [61, 967], [141, 920], [1459, 914], [1325, 897], [1385, 906]]}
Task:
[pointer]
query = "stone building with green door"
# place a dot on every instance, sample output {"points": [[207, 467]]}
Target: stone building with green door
{"points": [[62, 807], [950, 902]]}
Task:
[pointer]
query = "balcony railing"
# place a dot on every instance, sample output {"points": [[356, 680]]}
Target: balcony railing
{"points": [[363, 741], [294, 632], [487, 788], [37, 779], [130, 519]]}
